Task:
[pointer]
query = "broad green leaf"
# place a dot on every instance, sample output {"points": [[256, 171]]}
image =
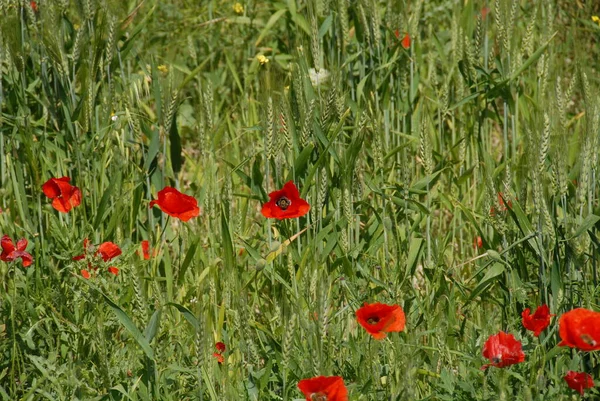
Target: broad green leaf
{"points": [[588, 222], [187, 314], [129, 326], [227, 243], [175, 148], [153, 326], [274, 18]]}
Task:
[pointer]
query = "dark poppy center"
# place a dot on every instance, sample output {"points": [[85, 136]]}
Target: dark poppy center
{"points": [[497, 359], [373, 320], [283, 203], [318, 396], [586, 338]]}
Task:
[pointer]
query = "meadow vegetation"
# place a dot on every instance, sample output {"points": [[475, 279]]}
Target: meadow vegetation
{"points": [[448, 150]]}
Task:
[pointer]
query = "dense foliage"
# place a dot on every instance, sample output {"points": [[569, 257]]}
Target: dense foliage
{"points": [[446, 150]]}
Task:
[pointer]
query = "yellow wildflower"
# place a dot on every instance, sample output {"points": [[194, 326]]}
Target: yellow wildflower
{"points": [[163, 68], [238, 8], [596, 19], [262, 59]]}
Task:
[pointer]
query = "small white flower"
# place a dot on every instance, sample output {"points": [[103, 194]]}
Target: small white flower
{"points": [[114, 117], [318, 77]]}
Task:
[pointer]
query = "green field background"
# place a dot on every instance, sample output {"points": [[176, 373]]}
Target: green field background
{"points": [[456, 177]]}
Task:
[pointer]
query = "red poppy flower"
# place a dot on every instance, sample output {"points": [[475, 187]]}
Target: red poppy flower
{"points": [[220, 347], [379, 319], [34, 6], [64, 195], [504, 206], [502, 350], [538, 321], [176, 204], [146, 249], [322, 388], [484, 12], [397, 33], [220, 358], [580, 328], [108, 251], [10, 252], [477, 242], [579, 381], [285, 203], [406, 41]]}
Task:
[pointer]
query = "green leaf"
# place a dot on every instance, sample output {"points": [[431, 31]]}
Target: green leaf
{"points": [[129, 325], [588, 222], [274, 18], [532, 58], [487, 280], [152, 150], [189, 256], [425, 182], [301, 162], [227, 243], [153, 326], [187, 314], [325, 26], [414, 251], [128, 45], [175, 148], [101, 210]]}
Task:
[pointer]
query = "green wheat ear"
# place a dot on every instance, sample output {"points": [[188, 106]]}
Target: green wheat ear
{"points": [[269, 132], [343, 18], [315, 43]]}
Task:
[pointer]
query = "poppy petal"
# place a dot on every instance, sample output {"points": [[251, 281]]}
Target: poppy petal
{"points": [[293, 206], [503, 350], [22, 244], [176, 204], [108, 250], [379, 319], [146, 249], [579, 381], [7, 244], [330, 388]]}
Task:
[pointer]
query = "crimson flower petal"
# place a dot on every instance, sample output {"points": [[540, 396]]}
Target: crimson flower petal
{"points": [[220, 358], [406, 41], [7, 244], [538, 321], [330, 388], [10, 253], [579, 381], [379, 319], [176, 204], [146, 249], [285, 203], [64, 195], [108, 251], [580, 328], [503, 350]]}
